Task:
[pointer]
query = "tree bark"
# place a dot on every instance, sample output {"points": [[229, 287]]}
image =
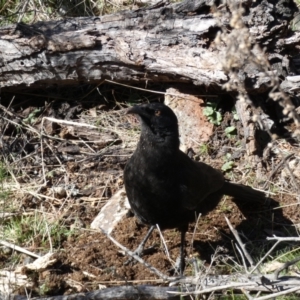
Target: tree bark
{"points": [[217, 284], [161, 43]]}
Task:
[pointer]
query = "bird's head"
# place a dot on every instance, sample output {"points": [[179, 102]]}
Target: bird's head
{"points": [[158, 122]]}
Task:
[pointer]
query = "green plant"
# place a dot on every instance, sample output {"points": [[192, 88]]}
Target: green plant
{"points": [[228, 165], [3, 172], [33, 11], [235, 115], [44, 289], [213, 116], [230, 131], [32, 117], [225, 207], [204, 149], [35, 230]]}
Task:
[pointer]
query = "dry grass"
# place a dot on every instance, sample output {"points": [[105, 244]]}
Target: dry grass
{"points": [[31, 11]]}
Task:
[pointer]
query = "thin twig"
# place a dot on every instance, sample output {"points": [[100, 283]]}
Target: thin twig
{"points": [[237, 237], [289, 291], [276, 169], [163, 241], [259, 263], [285, 266], [101, 82], [283, 239], [194, 232], [293, 178], [43, 163], [17, 248], [59, 121], [216, 288], [242, 256], [152, 91], [8, 112], [247, 294]]}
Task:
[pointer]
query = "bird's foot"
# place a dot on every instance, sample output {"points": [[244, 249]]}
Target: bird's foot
{"points": [[178, 267], [139, 251]]}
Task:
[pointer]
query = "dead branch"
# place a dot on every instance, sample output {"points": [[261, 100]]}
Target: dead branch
{"points": [[242, 245], [132, 46], [19, 249], [283, 239], [214, 284], [118, 293]]}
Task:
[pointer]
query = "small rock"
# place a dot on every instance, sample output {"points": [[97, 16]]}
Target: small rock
{"points": [[194, 126], [112, 212]]}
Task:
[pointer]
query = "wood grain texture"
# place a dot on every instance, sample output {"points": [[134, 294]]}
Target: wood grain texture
{"points": [[170, 43]]}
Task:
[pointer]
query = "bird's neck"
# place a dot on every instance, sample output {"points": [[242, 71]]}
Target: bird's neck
{"points": [[165, 143]]}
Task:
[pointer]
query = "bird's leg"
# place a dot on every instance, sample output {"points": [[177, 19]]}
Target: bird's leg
{"points": [[182, 260], [139, 250]]}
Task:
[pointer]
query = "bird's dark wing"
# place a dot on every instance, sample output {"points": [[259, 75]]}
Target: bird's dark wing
{"points": [[199, 180]]}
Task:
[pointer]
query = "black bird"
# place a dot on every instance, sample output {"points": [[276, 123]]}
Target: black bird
{"points": [[164, 186]]}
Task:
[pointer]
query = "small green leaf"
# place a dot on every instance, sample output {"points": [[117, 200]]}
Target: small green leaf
{"points": [[208, 111], [228, 156], [227, 166], [230, 130], [213, 116], [219, 118]]}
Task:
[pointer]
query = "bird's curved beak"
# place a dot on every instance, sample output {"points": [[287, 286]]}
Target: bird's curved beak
{"points": [[135, 110]]}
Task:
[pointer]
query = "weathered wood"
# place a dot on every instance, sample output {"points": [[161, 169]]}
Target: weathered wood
{"points": [[119, 293], [168, 43], [209, 284]]}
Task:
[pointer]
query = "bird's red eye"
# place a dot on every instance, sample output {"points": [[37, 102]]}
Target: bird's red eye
{"points": [[157, 113]]}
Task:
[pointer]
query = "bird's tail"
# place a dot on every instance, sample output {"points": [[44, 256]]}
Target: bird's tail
{"points": [[243, 192]]}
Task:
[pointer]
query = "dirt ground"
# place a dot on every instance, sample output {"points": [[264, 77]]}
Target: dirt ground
{"points": [[87, 260]]}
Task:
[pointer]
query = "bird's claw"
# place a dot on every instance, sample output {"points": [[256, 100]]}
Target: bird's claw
{"points": [[178, 267], [139, 251]]}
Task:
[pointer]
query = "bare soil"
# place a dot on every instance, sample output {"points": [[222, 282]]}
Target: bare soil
{"points": [[89, 260]]}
